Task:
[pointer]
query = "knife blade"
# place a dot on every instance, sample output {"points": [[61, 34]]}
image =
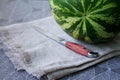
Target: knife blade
{"points": [[78, 48]]}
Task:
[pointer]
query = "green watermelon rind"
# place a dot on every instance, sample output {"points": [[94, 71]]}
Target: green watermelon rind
{"points": [[91, 20]]}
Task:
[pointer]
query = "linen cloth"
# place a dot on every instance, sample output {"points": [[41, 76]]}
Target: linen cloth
{"points": [[40, 56]]}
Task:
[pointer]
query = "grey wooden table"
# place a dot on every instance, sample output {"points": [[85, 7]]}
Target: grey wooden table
{"points": [[17, 11]]}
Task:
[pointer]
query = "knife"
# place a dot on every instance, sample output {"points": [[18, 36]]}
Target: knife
{"points": [[78, 48]]}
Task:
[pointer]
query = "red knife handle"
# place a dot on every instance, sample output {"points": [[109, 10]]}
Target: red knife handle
{"points": [[81, 50], [77, 48]]}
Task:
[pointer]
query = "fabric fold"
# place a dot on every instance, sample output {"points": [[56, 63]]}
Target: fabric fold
{"points": [[39, 55]]}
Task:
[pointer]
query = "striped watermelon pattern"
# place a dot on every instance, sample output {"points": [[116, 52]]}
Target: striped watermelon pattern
{"points": [[91, 20]]}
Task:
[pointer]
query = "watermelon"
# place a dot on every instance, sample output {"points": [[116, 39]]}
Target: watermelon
{"points": [[93, 21]]}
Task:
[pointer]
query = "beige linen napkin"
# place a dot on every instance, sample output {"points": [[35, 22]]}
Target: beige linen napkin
{"points": [[41, 56]]}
